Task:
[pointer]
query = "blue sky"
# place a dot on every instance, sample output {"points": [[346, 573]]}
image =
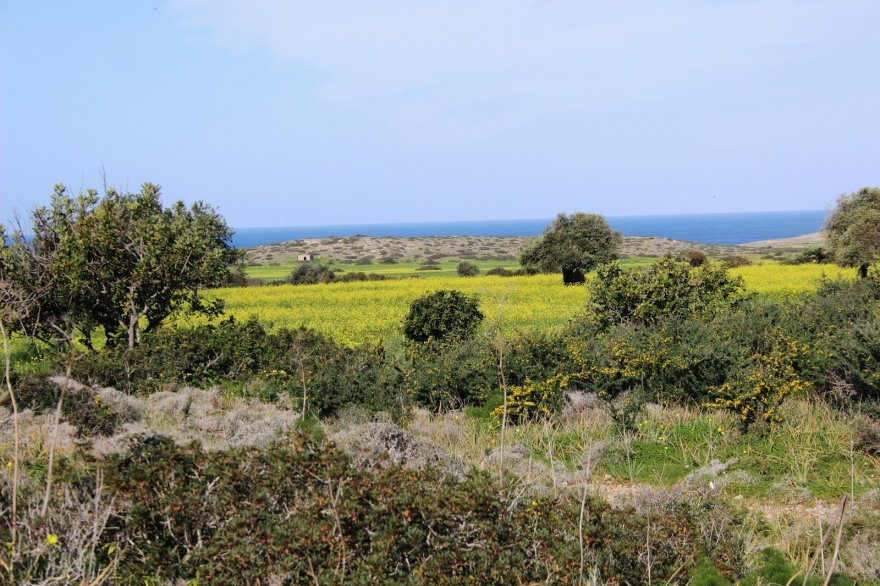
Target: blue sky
{"points": [[360, 111]]}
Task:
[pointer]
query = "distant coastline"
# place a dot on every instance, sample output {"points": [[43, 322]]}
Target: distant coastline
{"points": [[720, 229], [369, 249]]}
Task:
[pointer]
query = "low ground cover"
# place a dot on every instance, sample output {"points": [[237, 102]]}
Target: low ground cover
{"points": [[713, 422]]}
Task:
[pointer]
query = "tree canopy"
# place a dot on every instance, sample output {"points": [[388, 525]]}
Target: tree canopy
{"points": [[573, 245], [116, 263], [853, 229]]}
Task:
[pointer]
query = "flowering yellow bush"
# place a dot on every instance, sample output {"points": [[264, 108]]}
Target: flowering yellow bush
{"points": [[534, 398], [771, 377]]}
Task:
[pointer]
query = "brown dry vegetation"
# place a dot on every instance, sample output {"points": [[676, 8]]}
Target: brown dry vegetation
{"points": [[359, 249]]}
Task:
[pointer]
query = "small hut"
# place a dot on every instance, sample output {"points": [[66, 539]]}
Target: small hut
{"points": [[303, 257]]}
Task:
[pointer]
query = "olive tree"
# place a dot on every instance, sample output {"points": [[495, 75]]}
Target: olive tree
{"points": [[573, 245], [118, 262], [853, 230]]}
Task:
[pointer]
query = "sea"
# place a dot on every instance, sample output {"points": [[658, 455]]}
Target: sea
{"points": [[734, 228]]}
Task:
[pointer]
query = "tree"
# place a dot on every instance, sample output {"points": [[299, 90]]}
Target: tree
{"points": [[573, 244], [118, 262], [441, 316], [853, 230]]}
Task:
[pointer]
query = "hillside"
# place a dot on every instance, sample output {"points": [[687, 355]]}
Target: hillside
{"points": [[359, 249]]}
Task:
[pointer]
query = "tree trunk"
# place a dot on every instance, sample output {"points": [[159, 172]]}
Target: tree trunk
{"points": [[863, 270], [572, 276], [132, 326]]}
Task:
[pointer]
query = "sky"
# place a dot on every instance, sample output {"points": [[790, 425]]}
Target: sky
{"points": [[363, 111]]}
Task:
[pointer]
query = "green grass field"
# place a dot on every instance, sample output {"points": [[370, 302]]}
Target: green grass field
{"points": [[279, 272], [355, 313]]}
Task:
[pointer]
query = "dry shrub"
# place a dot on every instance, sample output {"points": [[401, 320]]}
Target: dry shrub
{"points": [[860, 554], [64, 546], [372, 445], [209, 417]]}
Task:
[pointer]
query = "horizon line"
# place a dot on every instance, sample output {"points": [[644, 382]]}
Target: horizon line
{"points": [[548, 219]]}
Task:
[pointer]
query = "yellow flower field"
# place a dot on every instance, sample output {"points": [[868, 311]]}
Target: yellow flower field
{"points": [[775, 280], [373, 310], [355, 313]]}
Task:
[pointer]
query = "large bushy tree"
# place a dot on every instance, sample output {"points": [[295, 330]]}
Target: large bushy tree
{"points": [[117, 262], [853, 229], [573, 245]]}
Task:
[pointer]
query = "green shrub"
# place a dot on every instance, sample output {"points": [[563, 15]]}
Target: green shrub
{"points": [[245, 355], [311, 273], [451, 374], [442, 315], [82, 408], [299, 510], [674, 360], [335, 376], [360, 276], [816, 254], [500, 272], [706, 574], [666, 288], [756, 392], [841, 323], [732, 262], [467, 269], [695, 258], [202, 355], [534, 399], [535, 356]]}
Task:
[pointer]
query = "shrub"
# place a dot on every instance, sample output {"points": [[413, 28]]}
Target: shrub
{"points": [[334, 376], [674, 360], [756, 392], [732, 262], [299, 510], [245, 355], [467, 269], [535, 356], [646, 295], [451, 374], [695, 258], [360, 276], [442, 315], [841, 322], [534, 399], [500, 272], [773, 567], [82, 407], [427, 267], [202, 355], [311, 273], [815, 254]]}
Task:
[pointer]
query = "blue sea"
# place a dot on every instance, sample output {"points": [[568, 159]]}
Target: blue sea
{"points": [[706, 228]]}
